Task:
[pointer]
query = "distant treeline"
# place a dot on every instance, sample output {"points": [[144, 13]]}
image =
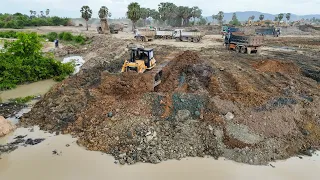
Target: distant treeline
{"points": [[19, 21]]}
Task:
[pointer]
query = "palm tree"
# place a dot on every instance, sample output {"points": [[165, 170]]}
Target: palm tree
{"points": [[31, 13], [167, 11], [86, 14], [288, 16], [42, 14], [280, 16], [252, 17], [133, 13], [195, 13], [261, 17], [47, 12], [103, 12]]}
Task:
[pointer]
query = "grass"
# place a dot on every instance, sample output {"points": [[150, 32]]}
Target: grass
{"points": [[22, 100]]}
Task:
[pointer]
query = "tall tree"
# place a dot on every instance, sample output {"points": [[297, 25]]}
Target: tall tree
{"points": [[280, 16], [47, 12], [167, 11], [202, 21], [42, 13], [220, 17], [196, 12], [235, 20], [144, 14], [31, 13], [288, 16], [252, 17], [86, 14], [133, 13], [261, 17], [276, 18], [103, 12]]}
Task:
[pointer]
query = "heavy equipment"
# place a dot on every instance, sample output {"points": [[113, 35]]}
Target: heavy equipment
{"points": [[185, 35], [268, 31], [243, 43], [142, 61], [144, 34]]}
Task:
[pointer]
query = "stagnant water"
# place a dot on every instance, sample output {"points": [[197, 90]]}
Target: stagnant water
{"points": [[32, 89], [75, 163]]}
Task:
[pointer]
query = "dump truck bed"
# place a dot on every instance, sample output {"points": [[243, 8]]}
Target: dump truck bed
{"points": [[247, 40]]}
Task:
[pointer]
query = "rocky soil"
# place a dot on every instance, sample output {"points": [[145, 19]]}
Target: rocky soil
{"points": [[248, 108]]}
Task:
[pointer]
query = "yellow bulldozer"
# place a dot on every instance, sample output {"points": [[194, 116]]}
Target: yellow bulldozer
{"points": [[142, 61]]}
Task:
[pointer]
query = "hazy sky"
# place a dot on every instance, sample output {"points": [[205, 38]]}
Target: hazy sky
{"points": [[118, 8]]}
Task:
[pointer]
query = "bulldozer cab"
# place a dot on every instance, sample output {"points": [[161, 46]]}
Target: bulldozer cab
{"points": [[142, 54]]}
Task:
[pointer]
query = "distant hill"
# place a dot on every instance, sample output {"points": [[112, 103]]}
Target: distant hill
{"points": [[243, 16]]}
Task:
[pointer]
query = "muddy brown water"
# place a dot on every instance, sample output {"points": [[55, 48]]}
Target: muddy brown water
{"points": [[32, 89], [76, 163]]}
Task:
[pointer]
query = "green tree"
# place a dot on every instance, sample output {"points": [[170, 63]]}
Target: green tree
{"points": [[235, 20], [195, 13], [103, 12], [42, 13], [276, 18], [167, 11], [252, 17], [202, 21], [31, 13], [144, 14], [220, 17], [261, 17], [288, 16], [86, 14], [47, 12], [280, 16], [133, 13]]}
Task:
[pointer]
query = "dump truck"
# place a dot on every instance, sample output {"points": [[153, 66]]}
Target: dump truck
{"points": [[268, 31], [243, 43], [144, 34], [164, 34], [184, 35], [224, 30], [115, 28]]}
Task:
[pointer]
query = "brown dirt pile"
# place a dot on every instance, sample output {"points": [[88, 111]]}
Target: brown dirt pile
{"points": [[173, 71], [276, 66]]}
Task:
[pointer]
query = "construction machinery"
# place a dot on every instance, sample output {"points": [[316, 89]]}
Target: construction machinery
{"points": [[142, 61], [184, 35], [243, 43], [144, 34], [268, 31]]}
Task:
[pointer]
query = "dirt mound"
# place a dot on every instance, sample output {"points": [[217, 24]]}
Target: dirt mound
{"points": [[174, 72], [276, 66], [5, 126]]}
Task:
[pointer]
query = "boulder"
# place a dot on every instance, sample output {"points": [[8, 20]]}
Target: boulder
{"points": [[5, 126]]}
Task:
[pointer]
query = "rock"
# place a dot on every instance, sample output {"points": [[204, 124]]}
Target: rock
{"points": [[210, 128], [137, 113], [183, 115], [110, 114], [130, 160], [34, 141], [154, 159], [229, 116], [5, 126], [197, 113], [122, 161], [307, 152], [117, 110], [305, 132]]}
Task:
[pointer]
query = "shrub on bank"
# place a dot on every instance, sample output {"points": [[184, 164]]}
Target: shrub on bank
{"points": [[52, 36], [23, 61]]}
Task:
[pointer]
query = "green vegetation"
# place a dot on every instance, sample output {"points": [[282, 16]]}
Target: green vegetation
{"points": [[22, 100], [235, 20], [19, 21], [8, 34], [23, 61]]}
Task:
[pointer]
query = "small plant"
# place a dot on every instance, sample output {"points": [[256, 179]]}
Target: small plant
{"points": [[22, 100], [67, 36], [61, 35], [79, 39], [52, 36]]}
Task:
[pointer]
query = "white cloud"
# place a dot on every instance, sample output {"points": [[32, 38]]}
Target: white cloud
{"points": [[118, 7]]}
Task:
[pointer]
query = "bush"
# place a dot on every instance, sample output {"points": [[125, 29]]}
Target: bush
{"points": [[8, 34], [79, 39], [23, 61], [61, 35], [22, 100], [67, 36], [52, 36]]}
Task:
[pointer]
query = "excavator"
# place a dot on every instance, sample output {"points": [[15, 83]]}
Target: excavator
{"points": [[142, 61]]}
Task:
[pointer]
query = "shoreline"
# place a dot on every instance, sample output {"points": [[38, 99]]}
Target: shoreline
{"points": [[39, 162]]}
